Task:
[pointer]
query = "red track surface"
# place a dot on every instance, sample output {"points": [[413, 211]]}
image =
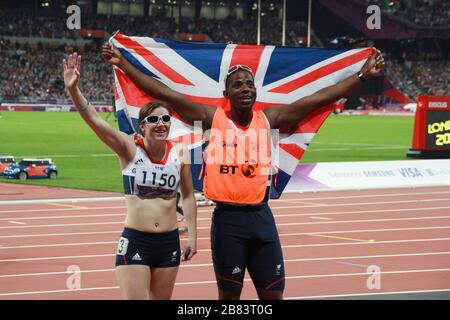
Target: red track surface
{"points": [[329, 240]]}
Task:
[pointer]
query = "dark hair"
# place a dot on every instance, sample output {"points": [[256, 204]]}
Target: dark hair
{"points": [[239, 67], [151, 106]]}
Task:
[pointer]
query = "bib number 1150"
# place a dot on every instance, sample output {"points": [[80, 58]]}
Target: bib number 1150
{"points": [[162, 180]]}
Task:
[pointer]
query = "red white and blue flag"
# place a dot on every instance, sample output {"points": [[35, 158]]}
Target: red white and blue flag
{"points": [[198, 70]]}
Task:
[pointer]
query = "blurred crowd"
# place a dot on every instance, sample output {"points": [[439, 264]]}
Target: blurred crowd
{"points": [[35, 70], [425, 13], [424, 73], [27, 25], [29, 72], [243, 31], [227, 30]]}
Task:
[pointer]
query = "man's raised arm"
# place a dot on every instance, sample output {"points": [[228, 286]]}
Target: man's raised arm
{"points": [[289, 116], [190, 111]]}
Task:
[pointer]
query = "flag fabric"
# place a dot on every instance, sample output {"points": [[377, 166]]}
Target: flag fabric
{"points": [[198, 70]]}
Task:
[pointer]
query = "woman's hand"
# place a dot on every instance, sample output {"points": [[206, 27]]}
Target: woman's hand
{"points": [[72, 70], [111, 55], [373, 65], [189, 250]]}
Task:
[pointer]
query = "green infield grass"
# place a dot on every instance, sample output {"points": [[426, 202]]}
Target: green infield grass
{"points": [[85, 163]]}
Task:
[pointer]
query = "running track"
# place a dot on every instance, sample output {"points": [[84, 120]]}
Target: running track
{"points": [[329, 240]]}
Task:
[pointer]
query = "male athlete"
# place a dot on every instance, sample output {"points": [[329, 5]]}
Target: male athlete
{"points": [[243, 231]]}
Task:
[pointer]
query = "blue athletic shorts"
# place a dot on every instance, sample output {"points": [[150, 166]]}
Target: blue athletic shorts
{"points": [[246, 237], [156, 250]]}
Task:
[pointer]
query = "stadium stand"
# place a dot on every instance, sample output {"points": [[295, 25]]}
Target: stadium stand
{"points": [[425, 13], [423, 73], [32, 74], [31, 61]]}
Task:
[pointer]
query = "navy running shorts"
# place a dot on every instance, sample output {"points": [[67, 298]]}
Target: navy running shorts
{"points": [[156, 250], [246, 237]]}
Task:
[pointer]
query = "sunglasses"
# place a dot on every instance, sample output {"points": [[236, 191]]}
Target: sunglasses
{"points": [[236, 67], [155, 119]]}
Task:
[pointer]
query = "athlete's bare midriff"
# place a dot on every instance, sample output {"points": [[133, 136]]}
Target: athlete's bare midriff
{"points": [[151, 215]]}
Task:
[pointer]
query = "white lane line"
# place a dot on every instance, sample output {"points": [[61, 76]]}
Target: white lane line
{"points": [[383, 195], [121, 198], [246, 280], [58, 258], [341, 238], [17, 222], [72, 200], [63, 225], [291, 277], [52, 273], [272, 207], [367, 294], [355, 212], [369, 257], [353, 264], [321, 218], [359, 243], [57, 291], [208, 227], [330, 275], [209, 218], [117, 232], [352, 221], [323, 205], [69, 217], [55, 245], [365, 230], [67, 205], [61, 209], [208, 264], [63, 200], [77, 244]]}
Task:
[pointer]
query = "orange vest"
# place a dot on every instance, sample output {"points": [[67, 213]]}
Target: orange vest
{"points": [[237, 164]]}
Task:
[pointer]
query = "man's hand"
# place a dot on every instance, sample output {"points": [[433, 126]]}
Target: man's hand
{"points": [[373, 65], [72, 70], [112, 55]]}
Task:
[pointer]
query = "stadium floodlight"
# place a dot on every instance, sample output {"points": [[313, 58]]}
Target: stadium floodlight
{"points": [[309, 25], [258, 36], [283, 31]]}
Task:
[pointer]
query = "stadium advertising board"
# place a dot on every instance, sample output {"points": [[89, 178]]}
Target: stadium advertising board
{"points": [[369, 174], [431, 138]]}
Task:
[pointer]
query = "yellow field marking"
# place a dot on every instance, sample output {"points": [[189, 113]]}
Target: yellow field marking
{"points": [[340, 238], [66, 205]]}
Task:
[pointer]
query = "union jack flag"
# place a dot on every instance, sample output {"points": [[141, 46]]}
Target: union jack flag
{"points": [[198, 70]]}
